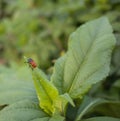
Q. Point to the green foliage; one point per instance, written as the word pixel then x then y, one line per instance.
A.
pixel 90 106
pixel 47 93
pixel 49 99
pixel 40 29
pixel 78 70
pixel 14 88
pixel 35 27
pixel 26 110
pixel 86 62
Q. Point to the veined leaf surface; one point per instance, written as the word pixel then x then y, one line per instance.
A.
pixel 14 87
pixel 46 91
pixel 26 111
pixel 87 60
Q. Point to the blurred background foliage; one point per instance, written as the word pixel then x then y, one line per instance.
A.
pixel 40 29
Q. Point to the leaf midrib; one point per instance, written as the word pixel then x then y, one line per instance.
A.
pixel 50 99
pixel 84 57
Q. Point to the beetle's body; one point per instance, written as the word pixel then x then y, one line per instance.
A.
pixel 32 63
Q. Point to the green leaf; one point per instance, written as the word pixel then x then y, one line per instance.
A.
pixel 109 108
pixel 57 76
pixel 62 101
pixel 46 91
pixel 66 98
pixel 14 88
pixel 25 111
pixel 101 119
pixel 87 105
pixel 104 107
pixel 87 60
